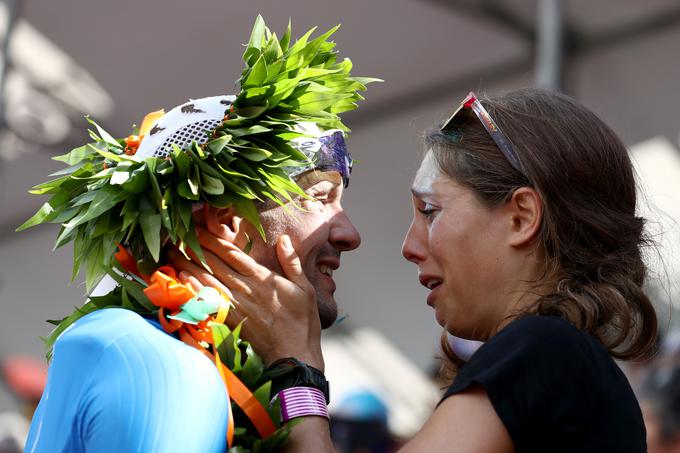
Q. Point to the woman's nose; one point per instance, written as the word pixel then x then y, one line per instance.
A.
pixel 412 249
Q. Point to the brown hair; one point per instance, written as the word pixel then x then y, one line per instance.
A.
pixel 590 234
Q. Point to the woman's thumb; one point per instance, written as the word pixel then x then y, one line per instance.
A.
pixel 290 262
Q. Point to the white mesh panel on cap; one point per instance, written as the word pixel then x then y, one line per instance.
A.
pixel 184 124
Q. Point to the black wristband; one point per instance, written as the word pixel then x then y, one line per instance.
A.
pixel 291 372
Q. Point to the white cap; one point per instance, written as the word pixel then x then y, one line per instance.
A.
pixel 186 123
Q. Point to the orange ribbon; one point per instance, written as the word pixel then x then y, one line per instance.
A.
pixel 167 293
pixel 127 261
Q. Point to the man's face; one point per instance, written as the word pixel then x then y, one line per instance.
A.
pixel 319 232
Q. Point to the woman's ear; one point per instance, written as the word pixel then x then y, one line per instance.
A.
pixel 526 214
pixel 226 224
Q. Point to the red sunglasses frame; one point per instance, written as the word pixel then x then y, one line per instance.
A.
pixel 502 141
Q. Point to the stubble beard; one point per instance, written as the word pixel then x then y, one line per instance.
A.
pixel 276 224
pixel 325 303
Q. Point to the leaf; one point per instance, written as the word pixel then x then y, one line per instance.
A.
pixel 64 215
pixel 188 190
pixel 100 226
pixel 263 393
pixel 211 185
pixel 151 229
pixel 217 145
pixel 236 122
pixel 76 155
pixel 183 162
pixel 191 240
pixel 253 153
pixel 125 300
pixel 78 248
pixel 257 35
pixel 48 210
pixel 252 368
pixel 247 209
pixel 165 215
pixel 257 74
pixel 105 136
pixel 285 39
pixel 251 112
pixel 109 155
pixel 66 235
pixel 366 80
pixel 223 200
pixel 93 264
pixel 184 208
pixel 226 343
pixel 105 199
pixel 272 52
pixel 129 212
pixel 249 131
pixel 65 323
pixel 49 186
pixel 71 169
pixel 135 290
pixel 155 187
pixel 138 180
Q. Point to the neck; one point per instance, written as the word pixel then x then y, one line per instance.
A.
pixel 529 282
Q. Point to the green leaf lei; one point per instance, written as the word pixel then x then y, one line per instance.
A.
pixel 105 197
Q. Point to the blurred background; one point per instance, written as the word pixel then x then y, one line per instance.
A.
pixel 119 60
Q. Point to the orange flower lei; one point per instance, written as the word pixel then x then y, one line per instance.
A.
pixel 168 293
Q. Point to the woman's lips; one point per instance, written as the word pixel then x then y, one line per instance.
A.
pixel 433 295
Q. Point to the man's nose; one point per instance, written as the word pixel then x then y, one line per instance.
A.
pixel 344 235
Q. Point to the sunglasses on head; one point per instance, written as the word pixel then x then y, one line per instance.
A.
pixel 471 102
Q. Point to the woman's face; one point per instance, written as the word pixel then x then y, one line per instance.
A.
pixel 459 246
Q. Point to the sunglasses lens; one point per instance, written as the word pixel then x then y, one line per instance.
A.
pixel 334 156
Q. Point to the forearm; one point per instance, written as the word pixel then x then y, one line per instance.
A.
pixel 310 434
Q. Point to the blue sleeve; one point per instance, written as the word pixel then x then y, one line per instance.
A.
pixel 117 383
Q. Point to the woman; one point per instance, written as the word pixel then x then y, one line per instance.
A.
pixel 525 233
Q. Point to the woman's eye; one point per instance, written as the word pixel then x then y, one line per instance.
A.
pixel 427 210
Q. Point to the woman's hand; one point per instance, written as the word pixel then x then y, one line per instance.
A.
pixel 280 312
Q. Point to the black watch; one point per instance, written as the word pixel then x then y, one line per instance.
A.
pixel 290 372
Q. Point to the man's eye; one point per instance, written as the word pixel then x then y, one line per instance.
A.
pixel 315 199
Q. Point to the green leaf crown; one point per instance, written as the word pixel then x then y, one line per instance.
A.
pixel 105 197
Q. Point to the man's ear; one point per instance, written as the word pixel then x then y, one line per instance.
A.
pixel 225 223
pixel 526 213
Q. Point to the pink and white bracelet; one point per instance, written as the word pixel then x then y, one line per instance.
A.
pixel 302 402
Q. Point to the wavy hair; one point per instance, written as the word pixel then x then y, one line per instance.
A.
pixel 590 233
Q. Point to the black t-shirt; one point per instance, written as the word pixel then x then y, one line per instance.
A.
pixel 556 389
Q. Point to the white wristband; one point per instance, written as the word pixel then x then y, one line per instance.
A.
pixel 302 402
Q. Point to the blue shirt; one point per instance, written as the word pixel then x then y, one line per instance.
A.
pixel 119 383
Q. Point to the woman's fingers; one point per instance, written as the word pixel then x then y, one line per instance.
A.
pixel 234 317
pixel 203 276
pixel 238 291
pixel 222 271
pixel 191 281
pixel 290 262
pixel 229 253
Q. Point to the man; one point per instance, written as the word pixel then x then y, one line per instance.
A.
pixel 268 167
